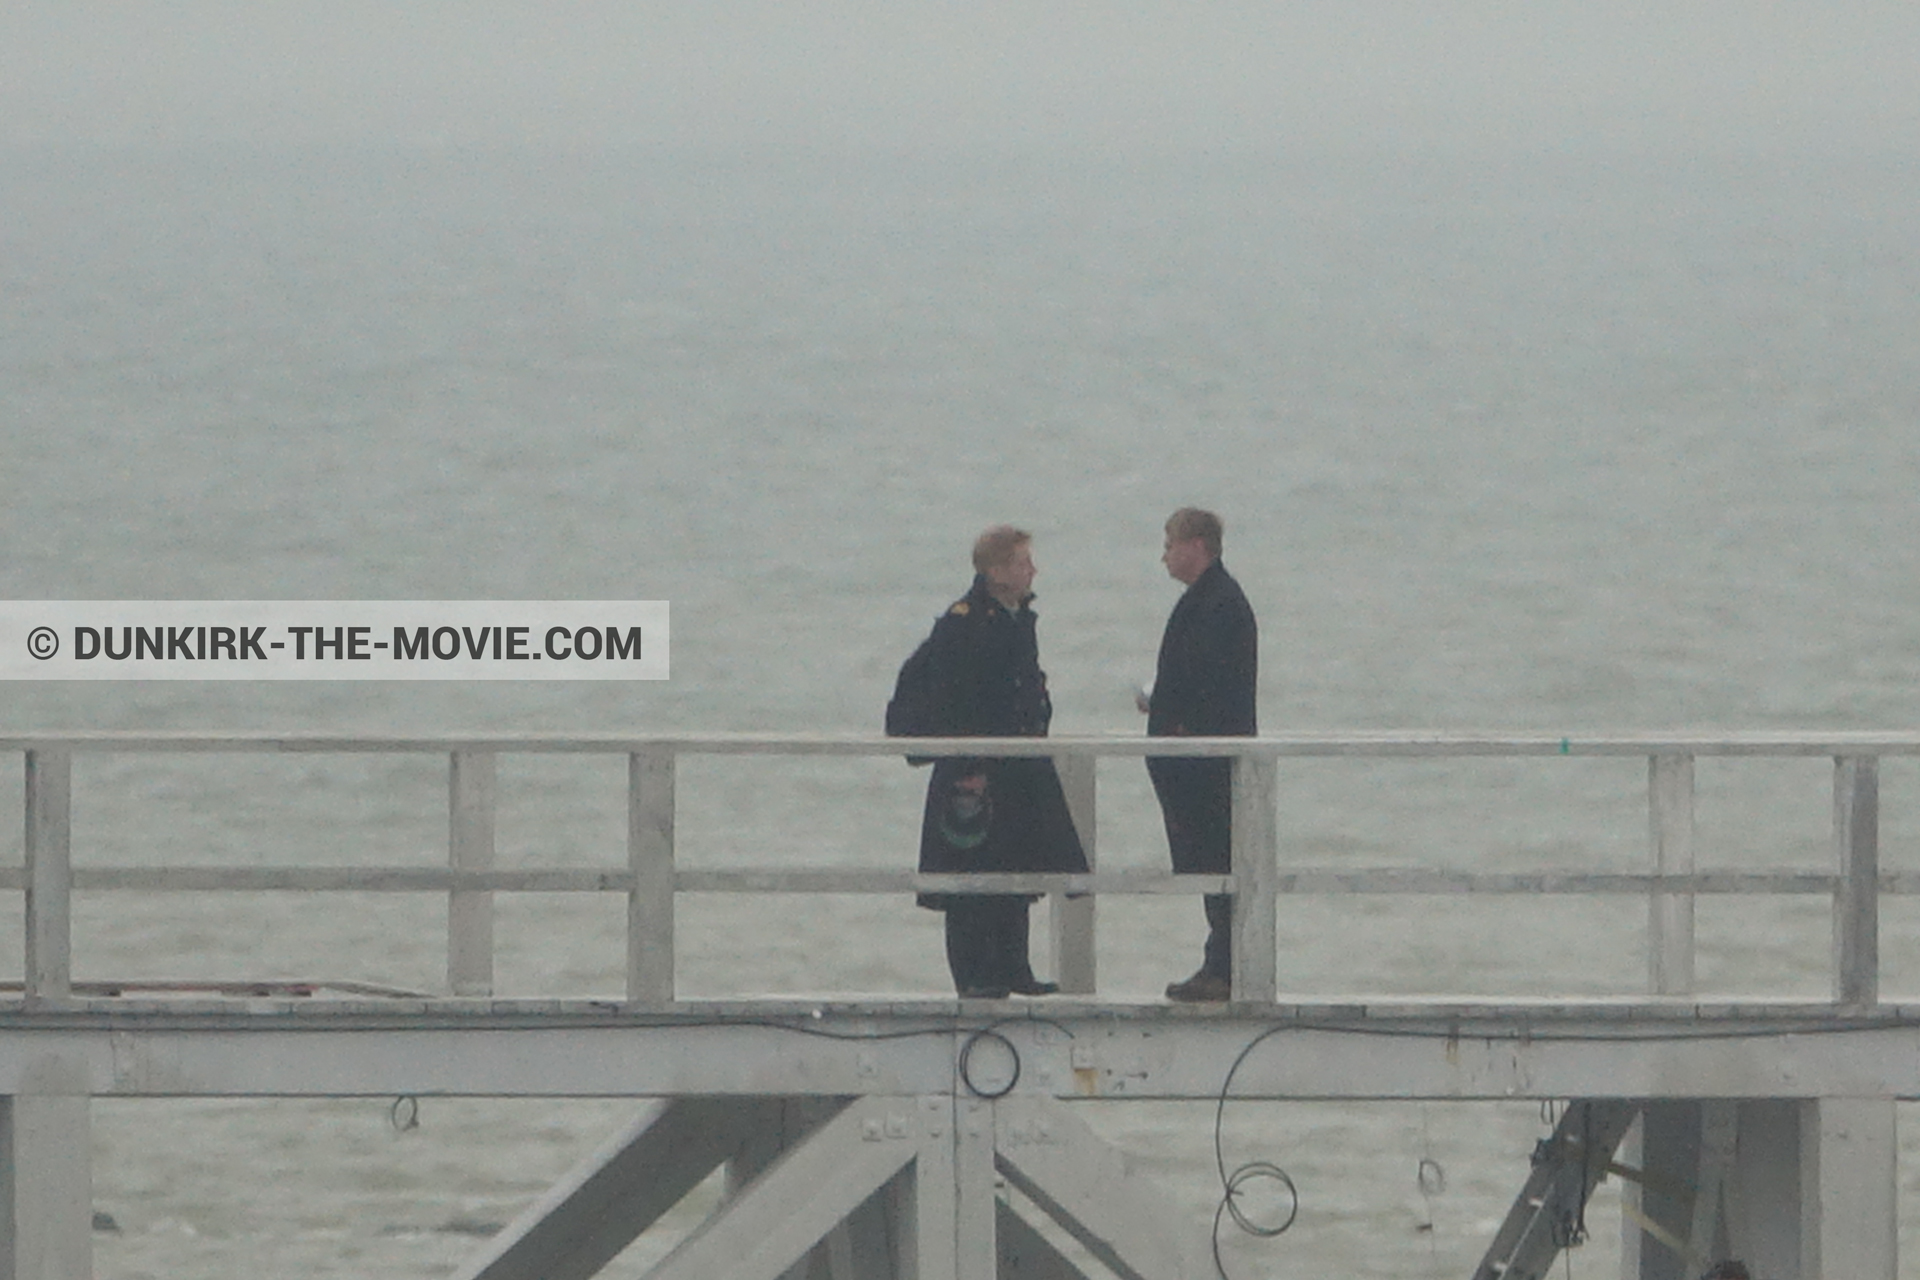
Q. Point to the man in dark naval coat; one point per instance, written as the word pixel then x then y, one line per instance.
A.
pixel 1203 687
pixel 1005 814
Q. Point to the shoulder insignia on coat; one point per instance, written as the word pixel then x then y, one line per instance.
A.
pixel 961 608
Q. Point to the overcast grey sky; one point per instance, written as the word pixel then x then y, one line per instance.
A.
pixel 1129 75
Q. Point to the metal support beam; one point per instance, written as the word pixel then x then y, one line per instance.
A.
pixel 1797 1189
pixel 470 847
pixel 1089 1187
pixel 49 872
pixel 1658 1206
pixel 1763 1211
pixel 1670 915
pixel 868 1244
pixel 1714 1195
pixel 1256 878
pixel 930 1199
pixel 784 1123
pixel 650 858
pixel 1025 1254
pixel 779 1124
pixel 46 1176
pixel 605 1202
pixel 1549 1214
pixel 1849 1183
pixel 976 1251
pixel 1073 919
pixel 299 1050
pixel 777 1219
pixel 877 1188
pixel 1856 900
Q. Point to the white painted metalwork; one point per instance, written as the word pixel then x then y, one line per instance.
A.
pixel 651 879
pixel 470 847
pixel 1848 1215
pixel 1401 1052
pixel 1091 1189
pixel 1073 918
pixel 1797 1188
pixel 777 1217
pixel 49 874
pixel 620 1190
pixel 650 890
pixel 1670 915
pixel 46 1184
pixel 879 1155
pixel 1707 1236
pixel 1856 898
pixel 1256 868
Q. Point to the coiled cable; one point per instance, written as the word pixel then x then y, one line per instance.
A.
pixel 1233 1184
pixel 965 1066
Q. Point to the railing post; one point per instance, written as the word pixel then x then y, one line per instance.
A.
pixel 470 847
pixel 1856 898
pixel 1256 874
pixel 46 1170
pixel 49 871
pixel 1670 836
pixel 650 858
pixel 1073 918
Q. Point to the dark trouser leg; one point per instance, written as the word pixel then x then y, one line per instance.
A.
pixel 1219 955
pixel 1008 928
pixel 1196 803
pixel 969 946
pixel 987 942
pixel 1017 964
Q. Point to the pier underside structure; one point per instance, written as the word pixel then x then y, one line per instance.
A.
pixel 937 1139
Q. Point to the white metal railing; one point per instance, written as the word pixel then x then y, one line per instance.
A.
pixel 651 877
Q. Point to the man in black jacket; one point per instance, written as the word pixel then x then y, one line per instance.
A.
pixel 993 814
pixel 1203 687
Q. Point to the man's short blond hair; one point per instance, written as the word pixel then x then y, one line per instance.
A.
pixel 998 546
pixel 1192 522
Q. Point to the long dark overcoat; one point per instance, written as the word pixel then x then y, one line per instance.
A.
pixel 1204 687
pixel 1209 662
pixel 986 677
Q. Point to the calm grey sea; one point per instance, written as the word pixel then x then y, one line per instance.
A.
pixel 1563 443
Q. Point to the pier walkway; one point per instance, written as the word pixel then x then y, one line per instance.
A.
pixel 868 1135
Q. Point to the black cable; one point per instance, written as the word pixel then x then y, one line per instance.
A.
pixel 1031 1016
pixel 1244 1174
pixel 1256 1170
pixel 1586 1174
pixel 1625 1036
pixel 965 1070
pixel 1231 1184
pixel 829 1033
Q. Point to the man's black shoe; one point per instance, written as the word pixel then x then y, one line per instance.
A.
pixel 1202 988
pixel 984 993
pixel 1035 987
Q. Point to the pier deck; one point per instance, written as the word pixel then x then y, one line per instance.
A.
pixel 869 1135
pixel 1390 1049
